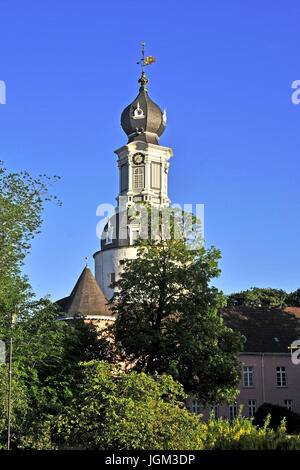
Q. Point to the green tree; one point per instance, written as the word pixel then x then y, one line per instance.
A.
pixel 47 353
pixel 118 410
pixel 293 299
pixel 167 315
pixel 46 356
pixel 19 404
pixel 259 297
pixel 22 199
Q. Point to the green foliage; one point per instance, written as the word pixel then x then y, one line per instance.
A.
pixel 264 297
pixel 46 356
pixel 48 353
pixel 167 317
pixel 114 410
pixel 22 200
pixel 293 299
pixel 28 430
pixel 37 435
pixel 19 405
pixel 242 434
pixel 259 297
pixel 118 410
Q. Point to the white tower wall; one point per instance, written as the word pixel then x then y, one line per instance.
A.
pixel 108 262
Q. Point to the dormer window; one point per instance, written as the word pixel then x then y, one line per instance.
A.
pixel 109 234
pixel 138 113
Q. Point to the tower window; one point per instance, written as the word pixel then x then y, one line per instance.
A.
pixel 155 175
pixel 112 277
pixel 124 177
pixel 138 178
pixel 109 234
pixel 134 235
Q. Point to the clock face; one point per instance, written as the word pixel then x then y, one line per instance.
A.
pixel 138 158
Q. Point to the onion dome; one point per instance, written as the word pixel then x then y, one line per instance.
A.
pixel 143 119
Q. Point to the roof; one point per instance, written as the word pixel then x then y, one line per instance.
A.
pixel 143 119
pixel 86 298
pixel 266 330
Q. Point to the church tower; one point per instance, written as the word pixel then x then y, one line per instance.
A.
pixel 143 177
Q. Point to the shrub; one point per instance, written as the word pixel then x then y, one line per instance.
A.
pixel 242 434
pixel 124 411
pixel 277 413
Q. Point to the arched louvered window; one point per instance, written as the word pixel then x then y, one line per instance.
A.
pixel 138 177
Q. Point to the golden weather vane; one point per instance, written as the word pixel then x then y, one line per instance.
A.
pixel 146 60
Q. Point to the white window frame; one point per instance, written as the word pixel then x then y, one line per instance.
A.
pixel 196 407
pixel 251 407
pixel 232 411
pixel 281 376
pixel 248 376
pixel 138 177
pixel 288 404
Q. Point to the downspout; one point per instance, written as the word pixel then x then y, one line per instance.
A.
pixel 263 378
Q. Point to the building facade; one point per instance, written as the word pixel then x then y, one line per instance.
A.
pixel 268 374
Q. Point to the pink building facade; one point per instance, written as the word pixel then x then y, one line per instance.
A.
pixel 268 373
pixel 265 378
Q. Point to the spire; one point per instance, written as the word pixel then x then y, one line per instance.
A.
pixel 143 62
pixel 143 120
pixel 143 81
pixel 86 298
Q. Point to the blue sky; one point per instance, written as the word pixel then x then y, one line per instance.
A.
pixel 223 72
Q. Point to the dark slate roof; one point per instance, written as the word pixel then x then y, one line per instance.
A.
pixel 266 330
pixel 150 126
pixel 116 242
pixel 86 298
